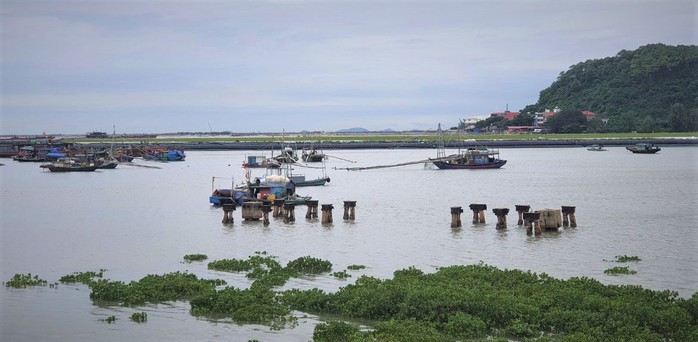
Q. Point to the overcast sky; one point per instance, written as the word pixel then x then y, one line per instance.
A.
pixel 267 66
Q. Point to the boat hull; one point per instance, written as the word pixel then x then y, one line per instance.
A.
pixel 72 169
pixel 450 166
pixel 314 182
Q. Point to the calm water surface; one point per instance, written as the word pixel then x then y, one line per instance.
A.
pixel 138 220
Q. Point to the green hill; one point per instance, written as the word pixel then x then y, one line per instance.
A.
pixel 653 88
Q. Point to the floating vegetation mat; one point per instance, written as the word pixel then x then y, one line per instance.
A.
pixel 24 280
pixel 456 303
pixel 195 257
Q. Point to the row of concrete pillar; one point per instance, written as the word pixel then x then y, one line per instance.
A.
pixel 253 211
pixel 534 221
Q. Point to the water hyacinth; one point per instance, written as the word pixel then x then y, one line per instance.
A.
pixel 24 280
pixel 82 277
pixel 153 288
pixel 195 257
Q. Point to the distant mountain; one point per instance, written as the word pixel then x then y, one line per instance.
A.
pixel 353 130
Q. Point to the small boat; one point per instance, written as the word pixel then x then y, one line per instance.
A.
pixel 264 189
pixel 470 158
pixel 596 148
pixel 260 162
pixel 311 155
pixel 123 158
pixel 287 155
pixel 169 155
pixel 643 148
pixel 69 165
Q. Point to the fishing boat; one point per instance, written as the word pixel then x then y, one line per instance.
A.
pixel 471 158
pixel 260 162
pixel 643 148
pixel 288 155
pixel 69 165
pixel 596 148
pixel 31 154
pixel 264 189
pixel 162 155
pixel 311 155
pixel 299 179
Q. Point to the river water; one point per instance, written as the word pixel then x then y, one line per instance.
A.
pixel 142 219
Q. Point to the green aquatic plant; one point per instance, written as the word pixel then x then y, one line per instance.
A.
pixel 355 267
pixel 82 277
pixel 153 288
pixel 310 265
pixel 139 317
pixel 626 258
pixel 619 270
pixel 341 275
pixel 256 305
pixel 24 280
pixel 195 257
pixel 477 301
pixel 111 319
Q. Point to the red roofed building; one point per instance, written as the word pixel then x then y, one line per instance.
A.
pixel 590 115
pixel 507 115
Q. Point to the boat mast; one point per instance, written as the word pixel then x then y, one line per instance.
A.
pixel 440 149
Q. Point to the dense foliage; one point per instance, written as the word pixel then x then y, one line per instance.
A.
pixel 455 303
pixel 651 89
pixel 152 288
pixel 462 302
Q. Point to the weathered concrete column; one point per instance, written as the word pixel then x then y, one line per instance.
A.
pixel 455 216
pixel 327 213
pixel 568 216
pixel 266 209
pixel 278 208
pixel 252 211
pixel 312 209
pixel 501 217
pixel 478 212
pixel 228 209
pixel 522 209
pixel 549 219
pixel 349 210
pixel 289 209
pixel 531 220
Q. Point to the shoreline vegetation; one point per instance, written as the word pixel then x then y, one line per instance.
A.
pixel 450 139
pixel 456 303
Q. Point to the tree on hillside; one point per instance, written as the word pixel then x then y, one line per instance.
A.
pixel 567 121
pixel 681 119
pixel 635 89
pixel 491 121
pixel 521 120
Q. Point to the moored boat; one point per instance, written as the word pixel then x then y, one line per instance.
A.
pixel 470 158
pixel 596 148
pixel 311 155
pixel 644 148
pixel 168 155
pixel 70 165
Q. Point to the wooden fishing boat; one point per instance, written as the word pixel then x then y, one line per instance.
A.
pixel 70 165
pixel 311 155
pixel 470 158
pixel 596 148
pixel 165 155
pixel 643 148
